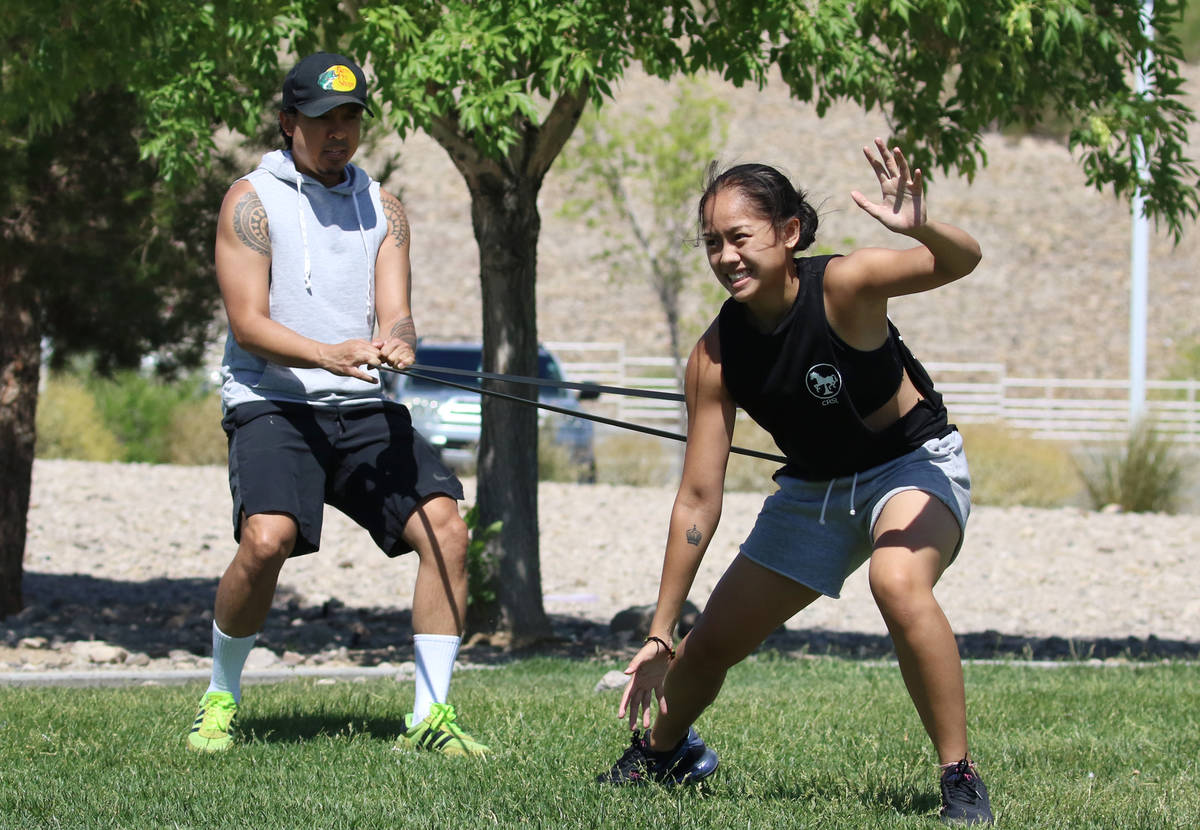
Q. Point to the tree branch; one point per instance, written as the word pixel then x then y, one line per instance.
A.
pixel 553 133
pixel 464 152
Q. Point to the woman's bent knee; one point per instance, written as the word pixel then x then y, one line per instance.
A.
pixel 901 598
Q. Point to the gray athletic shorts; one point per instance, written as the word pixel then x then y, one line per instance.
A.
pixel 818 532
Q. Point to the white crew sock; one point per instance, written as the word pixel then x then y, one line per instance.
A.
pixel 434 656
pixel 229 656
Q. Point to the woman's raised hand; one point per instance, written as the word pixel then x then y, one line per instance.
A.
pixel 901 207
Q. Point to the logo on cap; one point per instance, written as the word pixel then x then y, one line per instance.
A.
pixel 337 78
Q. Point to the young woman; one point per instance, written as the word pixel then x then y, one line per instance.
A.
pixel 874 471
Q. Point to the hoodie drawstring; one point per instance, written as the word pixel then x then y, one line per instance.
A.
pixel 304 233
pixel 829 489
pixel 362 234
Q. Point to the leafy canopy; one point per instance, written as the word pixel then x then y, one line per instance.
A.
pixel 943 71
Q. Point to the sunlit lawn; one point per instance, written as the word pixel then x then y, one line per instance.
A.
pixel 803 743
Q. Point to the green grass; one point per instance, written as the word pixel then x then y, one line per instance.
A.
pixel 820 743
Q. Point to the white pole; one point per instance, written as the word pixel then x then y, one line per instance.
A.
pixel 1139 252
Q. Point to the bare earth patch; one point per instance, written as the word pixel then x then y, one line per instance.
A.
pixel 129 555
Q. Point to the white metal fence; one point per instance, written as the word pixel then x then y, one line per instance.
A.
pixel 1063 409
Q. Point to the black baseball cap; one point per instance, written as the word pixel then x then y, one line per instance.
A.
pixel 323 81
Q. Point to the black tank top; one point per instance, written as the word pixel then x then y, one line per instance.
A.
pixel 790 381
pixel 873 377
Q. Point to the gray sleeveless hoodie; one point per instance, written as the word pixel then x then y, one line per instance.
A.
pixel 324 241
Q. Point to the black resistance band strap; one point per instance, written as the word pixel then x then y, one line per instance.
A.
pixel 419 371
pixel 556 384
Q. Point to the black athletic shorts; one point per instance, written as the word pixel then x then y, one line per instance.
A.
pixel 366 460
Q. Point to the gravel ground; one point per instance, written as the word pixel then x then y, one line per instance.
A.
pixel 122 563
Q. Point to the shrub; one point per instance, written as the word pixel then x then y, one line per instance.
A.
pixel 1188 32
pixel 746 472
pixel 1187 362
pixel 647 461
pixel 1010 469
pixel 1143 475
pixel 554 459
pixel 139 409
pixel 69 424
pixel 635 459
pixel 194 434
pixel 481 574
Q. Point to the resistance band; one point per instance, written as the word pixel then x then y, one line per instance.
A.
pixel 417 370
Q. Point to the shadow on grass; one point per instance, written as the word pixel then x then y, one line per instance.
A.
pixel 904 801
pixel 301 727
pixel 158 616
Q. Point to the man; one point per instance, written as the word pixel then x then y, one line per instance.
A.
pixel 310 252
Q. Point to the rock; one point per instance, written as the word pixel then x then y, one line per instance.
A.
pixel 33 642
pixel 261 658
pixel 137 659
pixel 637 619
pixel 614 679
pixel 101 653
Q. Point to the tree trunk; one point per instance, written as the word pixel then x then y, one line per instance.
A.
pixel 20 363
pixel 506 223
pixel 505 218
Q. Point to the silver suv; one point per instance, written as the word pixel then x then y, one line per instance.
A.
pixel 449 418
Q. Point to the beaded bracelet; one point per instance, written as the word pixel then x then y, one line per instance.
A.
pixel 652 639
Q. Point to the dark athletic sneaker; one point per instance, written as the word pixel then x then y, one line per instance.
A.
pixel 964 798
pixel 689 763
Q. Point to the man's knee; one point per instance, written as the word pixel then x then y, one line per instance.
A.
pixel 452 538
pixel 437 529
pixel 267 540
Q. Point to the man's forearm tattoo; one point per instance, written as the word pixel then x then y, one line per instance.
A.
pixel 406 331
pixel 396 218
pixel 693 535
pixel 250 224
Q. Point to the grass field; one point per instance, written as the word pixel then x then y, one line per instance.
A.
pixel 821 743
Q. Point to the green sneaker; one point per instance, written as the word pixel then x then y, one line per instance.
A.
pixel 440 733
pixel 212 731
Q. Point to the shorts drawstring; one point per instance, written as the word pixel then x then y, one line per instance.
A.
pixel 829 489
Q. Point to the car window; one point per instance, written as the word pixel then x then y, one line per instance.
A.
pixel 471 360
pixel 466 359
pixel 548 368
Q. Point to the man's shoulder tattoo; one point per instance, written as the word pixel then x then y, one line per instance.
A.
pixel 396 218
pixel 250 224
